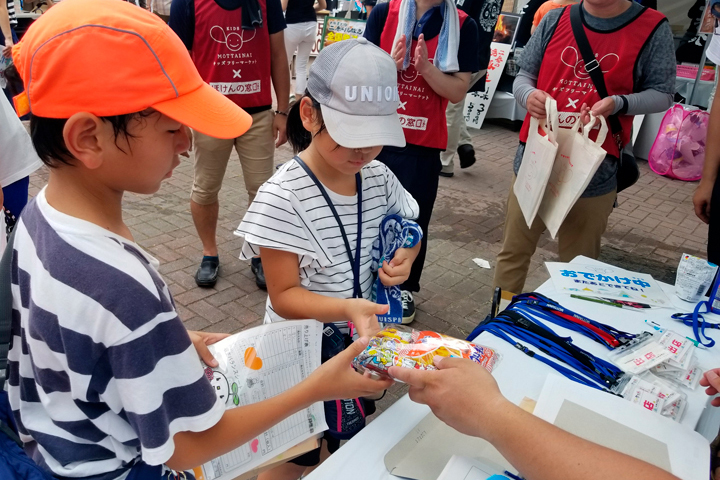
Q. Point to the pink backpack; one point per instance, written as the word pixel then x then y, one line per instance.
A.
pixel 679 148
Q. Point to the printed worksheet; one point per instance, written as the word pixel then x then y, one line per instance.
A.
pixel 258 364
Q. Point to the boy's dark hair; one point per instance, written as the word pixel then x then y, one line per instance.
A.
pixel 297 136
pixel 47 136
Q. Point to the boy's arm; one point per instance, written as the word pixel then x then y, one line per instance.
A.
pixel 334 379
pixel 290 300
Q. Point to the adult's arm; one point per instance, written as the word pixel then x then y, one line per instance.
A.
pixel 703 193
pixel 538 449
pixel 5 25
pixel 280 74
pixel 525 83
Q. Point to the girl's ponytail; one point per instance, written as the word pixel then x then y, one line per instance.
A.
pixel 297 136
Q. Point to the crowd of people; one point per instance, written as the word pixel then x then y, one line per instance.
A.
pixel 104 381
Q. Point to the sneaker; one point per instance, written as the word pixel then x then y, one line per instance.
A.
pixel 408 304
pixel 446 174
pixel 207 274
pixel 257 269
pixel 466 153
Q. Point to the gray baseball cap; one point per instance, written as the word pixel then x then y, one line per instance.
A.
pixel 355 83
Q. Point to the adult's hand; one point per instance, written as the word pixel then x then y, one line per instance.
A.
pixel 701 200
pixel 280 129
pixel 398 52
pixel 420 58
pixel 711 380
pixel 461 393
pixel 536 103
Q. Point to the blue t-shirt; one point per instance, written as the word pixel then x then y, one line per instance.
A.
pixel 429 25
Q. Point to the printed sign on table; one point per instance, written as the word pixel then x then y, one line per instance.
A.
pixel 338 29
pixel 606 281
pixel 477 103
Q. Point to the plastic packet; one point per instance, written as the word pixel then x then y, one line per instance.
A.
pixel 654 394
pixel 694 277
pixel 687 377
pixel 680 347
pixel 404 347
pixel 639 356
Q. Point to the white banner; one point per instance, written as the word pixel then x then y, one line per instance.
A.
pixel 476 104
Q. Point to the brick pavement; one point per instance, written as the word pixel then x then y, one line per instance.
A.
pixel 652 226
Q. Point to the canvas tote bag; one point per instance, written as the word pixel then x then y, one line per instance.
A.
pixel 578 158
pixel 537 162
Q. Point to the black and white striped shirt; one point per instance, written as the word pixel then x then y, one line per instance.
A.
pixel 11 13
pixel 290 214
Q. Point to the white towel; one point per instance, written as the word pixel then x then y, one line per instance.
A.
pixel 448 40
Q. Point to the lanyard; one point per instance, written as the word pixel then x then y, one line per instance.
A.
pixel 697 321
pixel 354 262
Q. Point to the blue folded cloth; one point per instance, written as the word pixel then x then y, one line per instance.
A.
pixel 395 233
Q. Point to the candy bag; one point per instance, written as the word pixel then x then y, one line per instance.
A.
pixel 404 347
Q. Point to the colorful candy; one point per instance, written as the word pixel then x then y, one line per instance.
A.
pixel 404 347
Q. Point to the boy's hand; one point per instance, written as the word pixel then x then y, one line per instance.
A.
pixel 461 393
pixel 421 56
pixel 363 313
pixel 397 270
pixel 711 380
pixel 337 379
pixel 201 340
pixel 398 52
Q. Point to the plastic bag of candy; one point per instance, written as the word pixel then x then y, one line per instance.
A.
pixel 398 346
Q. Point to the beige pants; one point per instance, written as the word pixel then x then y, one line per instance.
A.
pixel 456 127
pixel 256 149
pixel 579 234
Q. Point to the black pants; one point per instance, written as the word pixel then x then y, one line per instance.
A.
pixel 418 169
pixel 713 247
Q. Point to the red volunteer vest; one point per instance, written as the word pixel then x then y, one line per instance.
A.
pixel 562 73
pixel 235 62
pixel 421 111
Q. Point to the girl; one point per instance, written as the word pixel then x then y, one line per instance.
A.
pixel 315 220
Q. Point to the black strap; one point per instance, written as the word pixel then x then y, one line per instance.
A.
pixel 592 66
pixel 5 307
pixel 354 262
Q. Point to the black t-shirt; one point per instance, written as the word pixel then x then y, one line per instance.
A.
pixel 485 13
pixel 525 24
pixel 299 11
pixel 182 17
pixel 467 51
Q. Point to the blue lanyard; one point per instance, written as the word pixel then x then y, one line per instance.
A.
pixel 697 321
pixel 549 310
pixel 354 262
pixel 591 371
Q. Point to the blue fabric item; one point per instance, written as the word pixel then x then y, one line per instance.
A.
pixel 395 233
pixel 14 463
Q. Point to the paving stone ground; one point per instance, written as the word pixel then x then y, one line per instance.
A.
pixel 652 226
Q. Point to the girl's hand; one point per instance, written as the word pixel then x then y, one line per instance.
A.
pixel 337 379
pixel 363 313
pixel 536 104
pixel 201 340
pixel 399 51
pixel 397 270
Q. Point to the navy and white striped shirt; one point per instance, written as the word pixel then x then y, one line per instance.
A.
pixel 289 213
pixel 102 372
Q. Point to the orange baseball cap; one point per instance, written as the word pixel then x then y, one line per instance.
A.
pixel 110 57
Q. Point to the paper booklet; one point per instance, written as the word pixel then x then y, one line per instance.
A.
pixel 258 364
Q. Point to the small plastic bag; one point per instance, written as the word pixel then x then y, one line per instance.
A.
pixel 641 355
pixel 404 347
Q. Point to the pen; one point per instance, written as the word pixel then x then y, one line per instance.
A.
pixel 596 300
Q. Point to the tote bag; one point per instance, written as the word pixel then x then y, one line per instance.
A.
pixel 578 158
pixel 537 162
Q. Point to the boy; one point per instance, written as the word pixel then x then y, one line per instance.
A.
pixel 103 377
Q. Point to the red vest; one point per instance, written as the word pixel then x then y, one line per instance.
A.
pixel 422 111
pixel 235 62
pixel 562 72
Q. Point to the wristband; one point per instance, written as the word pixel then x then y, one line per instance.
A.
pixel 278 112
